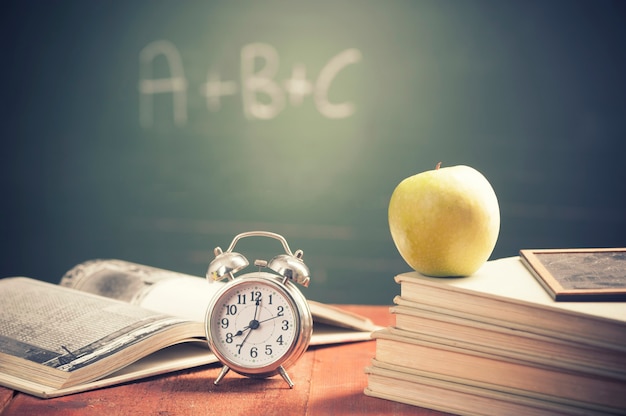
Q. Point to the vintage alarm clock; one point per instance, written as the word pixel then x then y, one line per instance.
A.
pixel 259 323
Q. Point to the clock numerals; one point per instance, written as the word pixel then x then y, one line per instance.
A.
pixel 255 326
pixel 258 323
pixel 245 341
pixel 254 296
pixel 231 309
pixel 254 350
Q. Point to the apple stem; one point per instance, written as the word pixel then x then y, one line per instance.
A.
pixel 438 166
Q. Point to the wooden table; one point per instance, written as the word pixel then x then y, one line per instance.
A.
pixel 328 380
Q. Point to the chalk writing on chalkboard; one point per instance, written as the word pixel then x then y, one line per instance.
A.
pixel 255 81
pixel 580 274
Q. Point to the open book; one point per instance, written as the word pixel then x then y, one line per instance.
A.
pixel 112 321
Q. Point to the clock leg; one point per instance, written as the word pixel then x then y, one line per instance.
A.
pixel 221 375
pixel 285 376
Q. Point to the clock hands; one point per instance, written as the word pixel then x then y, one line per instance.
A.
pixel 243 342
pixel 269 319
pixel 257 303
pixel 253 325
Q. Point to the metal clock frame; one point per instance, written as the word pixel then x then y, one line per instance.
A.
pixel 290 268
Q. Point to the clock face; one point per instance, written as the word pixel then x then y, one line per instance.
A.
pixel 253 325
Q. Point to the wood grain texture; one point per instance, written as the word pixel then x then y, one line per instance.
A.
pixel 5 397
pixel 328 380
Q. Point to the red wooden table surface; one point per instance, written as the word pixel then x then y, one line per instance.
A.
pixel 329 380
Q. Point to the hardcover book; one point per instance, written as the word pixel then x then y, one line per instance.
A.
pixel 497 342
pixel 505 292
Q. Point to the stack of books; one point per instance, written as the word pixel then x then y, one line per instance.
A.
pixel 496 343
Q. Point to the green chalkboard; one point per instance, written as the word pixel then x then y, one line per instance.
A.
pixel 153 131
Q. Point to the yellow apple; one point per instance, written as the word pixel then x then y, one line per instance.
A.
pixel 445 222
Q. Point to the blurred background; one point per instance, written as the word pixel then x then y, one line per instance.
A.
pixel 153 131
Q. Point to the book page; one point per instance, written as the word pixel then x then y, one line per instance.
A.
pixel 117 279
pixel 160 290
pixel 66 330
pixel 185 296
pixel 508 278
pixel 188 297
pixel 176 294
